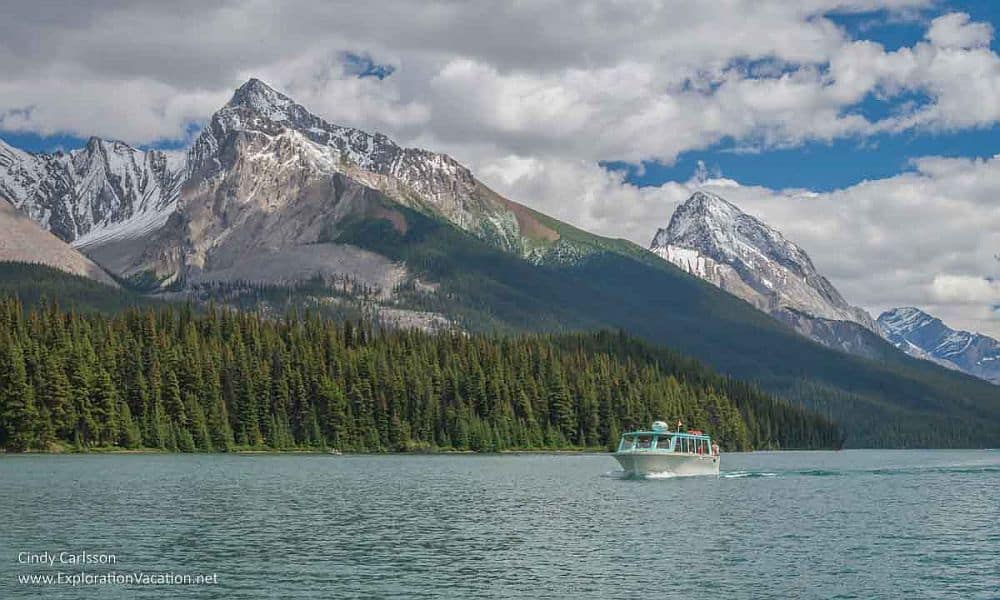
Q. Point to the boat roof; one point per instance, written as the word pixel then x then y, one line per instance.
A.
pixel 700 436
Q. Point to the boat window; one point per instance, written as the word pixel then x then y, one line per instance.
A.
pixel 645 442
pixel 663 443
pixel 627 442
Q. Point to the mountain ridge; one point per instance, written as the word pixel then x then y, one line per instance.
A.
pixel 89 192
pixel 925 336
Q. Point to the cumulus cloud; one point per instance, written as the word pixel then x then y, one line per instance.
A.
pixel 955 30
pixel 965 289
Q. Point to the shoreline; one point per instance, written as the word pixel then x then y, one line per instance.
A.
pixel 256 452
pixel 320 452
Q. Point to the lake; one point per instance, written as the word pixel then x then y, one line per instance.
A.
pixel 851 524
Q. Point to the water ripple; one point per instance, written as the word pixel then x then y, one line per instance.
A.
pixel 771 525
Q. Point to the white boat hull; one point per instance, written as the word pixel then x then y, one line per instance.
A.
pixel 667 464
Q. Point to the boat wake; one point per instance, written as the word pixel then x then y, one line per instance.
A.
pixel 879 472
pixel 746 474
pixel 619 474
pixel 886 471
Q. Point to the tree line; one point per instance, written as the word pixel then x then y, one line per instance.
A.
pixel 217 380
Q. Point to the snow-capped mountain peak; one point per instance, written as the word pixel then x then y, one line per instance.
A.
pixel 719 229
pixel 712 238
pixel 259 156
pixel 899 321
pixel 262 99
pixel 427 181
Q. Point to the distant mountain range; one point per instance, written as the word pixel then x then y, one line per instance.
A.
pixel 272 208
pixel 90 193
pixel 925 336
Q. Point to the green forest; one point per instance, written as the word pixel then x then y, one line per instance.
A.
pixel 179 379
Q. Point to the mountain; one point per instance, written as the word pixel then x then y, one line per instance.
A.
pixel 22 240
pixel 924 336
pixel 277 209
pixel 711 238
pixel 105 189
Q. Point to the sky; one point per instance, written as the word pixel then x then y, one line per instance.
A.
pixel 864 130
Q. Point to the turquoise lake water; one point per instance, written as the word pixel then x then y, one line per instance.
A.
pixel 852 524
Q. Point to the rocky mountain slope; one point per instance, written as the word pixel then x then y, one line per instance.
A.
pixel 22 240
pixel 713 239
pixel 306 209
pixel 924 336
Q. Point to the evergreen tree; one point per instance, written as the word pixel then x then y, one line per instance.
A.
pixel 18 414
pixel 104 411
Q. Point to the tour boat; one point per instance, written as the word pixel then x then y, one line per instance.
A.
pixel 664 452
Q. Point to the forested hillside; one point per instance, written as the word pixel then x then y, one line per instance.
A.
pixel 175 379
pixel 893 401
pixel 38 284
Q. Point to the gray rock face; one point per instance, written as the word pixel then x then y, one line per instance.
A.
pixel 716 241
pixel 924 336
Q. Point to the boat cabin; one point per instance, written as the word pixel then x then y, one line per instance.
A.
pixel 691 442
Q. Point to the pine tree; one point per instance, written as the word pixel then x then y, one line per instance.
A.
pixel 560 406
pixel 129 435
pixel 18 414
pixel 56 396
pixel 336 413
pixel 105 413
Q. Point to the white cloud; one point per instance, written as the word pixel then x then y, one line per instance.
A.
pixel 965 289
pixel 955 30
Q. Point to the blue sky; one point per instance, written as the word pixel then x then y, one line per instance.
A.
pixel 819 166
